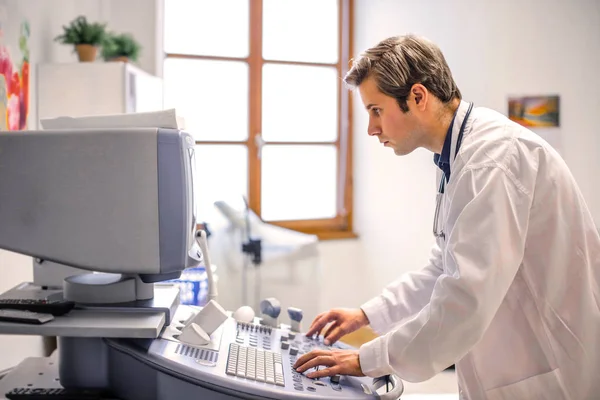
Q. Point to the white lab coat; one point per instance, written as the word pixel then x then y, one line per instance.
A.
pixel 511 295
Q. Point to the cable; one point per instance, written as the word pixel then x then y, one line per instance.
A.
pixel 203 244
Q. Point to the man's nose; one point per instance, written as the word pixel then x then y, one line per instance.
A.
pixel 373 129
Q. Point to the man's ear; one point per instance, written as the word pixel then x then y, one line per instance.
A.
pixel 419 93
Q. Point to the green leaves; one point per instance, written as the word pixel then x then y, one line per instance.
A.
pixel 25 31
pixel 80 31
pixel 120 45
pixel 23 40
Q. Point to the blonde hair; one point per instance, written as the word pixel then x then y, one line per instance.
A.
pixel 399 62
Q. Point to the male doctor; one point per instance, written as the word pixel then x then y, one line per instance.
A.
pixel 511 291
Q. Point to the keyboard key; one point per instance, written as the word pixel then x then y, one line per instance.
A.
pixel 279 368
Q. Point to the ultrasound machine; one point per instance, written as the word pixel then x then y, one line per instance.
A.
pixel 120 203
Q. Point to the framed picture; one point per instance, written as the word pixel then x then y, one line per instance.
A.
pixel 534 111
pixel 14 73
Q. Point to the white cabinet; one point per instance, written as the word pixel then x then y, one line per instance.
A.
pixel 98 88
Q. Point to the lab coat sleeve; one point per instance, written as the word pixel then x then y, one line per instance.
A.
pixel 487 225
pixel 404 297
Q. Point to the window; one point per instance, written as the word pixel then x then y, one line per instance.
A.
pixel 259 85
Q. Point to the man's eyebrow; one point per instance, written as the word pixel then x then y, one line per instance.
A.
pixel 369 106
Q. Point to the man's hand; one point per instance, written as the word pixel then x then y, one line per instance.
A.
pixel 343 320
pixel 338 362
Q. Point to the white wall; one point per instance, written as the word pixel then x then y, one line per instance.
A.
pixel 495 49
pixel 46 17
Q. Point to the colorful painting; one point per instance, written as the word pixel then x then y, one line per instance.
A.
pixel 534 111
pixel 14 80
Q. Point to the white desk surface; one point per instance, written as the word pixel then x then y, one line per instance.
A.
pixel 92 323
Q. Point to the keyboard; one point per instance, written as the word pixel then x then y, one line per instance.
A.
pixel 255 364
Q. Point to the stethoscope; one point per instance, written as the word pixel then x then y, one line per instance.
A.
pixel 438 231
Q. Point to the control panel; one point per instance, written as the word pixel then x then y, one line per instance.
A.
pixel 256 358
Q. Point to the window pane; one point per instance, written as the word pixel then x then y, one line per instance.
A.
pixel 298 182
pixel 300 103
pixel 300 30
pixel 212 96
pixel 207 27
pixel 221 174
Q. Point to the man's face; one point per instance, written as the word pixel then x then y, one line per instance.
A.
pixel 387 122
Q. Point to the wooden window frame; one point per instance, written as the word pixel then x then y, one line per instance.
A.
pixel 341 226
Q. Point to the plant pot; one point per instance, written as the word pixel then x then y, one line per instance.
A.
pixel 86 52
pixel 120 58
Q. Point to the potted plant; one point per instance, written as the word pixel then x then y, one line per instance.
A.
pixel 120 47
pixel 86 37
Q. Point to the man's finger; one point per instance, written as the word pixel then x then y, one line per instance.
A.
pixel 309 356
pixel 326 360
pixel 323 372
pixel 333 335
pixel 315 327
pixel 330 328
pixel 319 323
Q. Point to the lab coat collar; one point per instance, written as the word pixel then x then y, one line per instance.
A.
pixel 458 120
pixel 442 160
